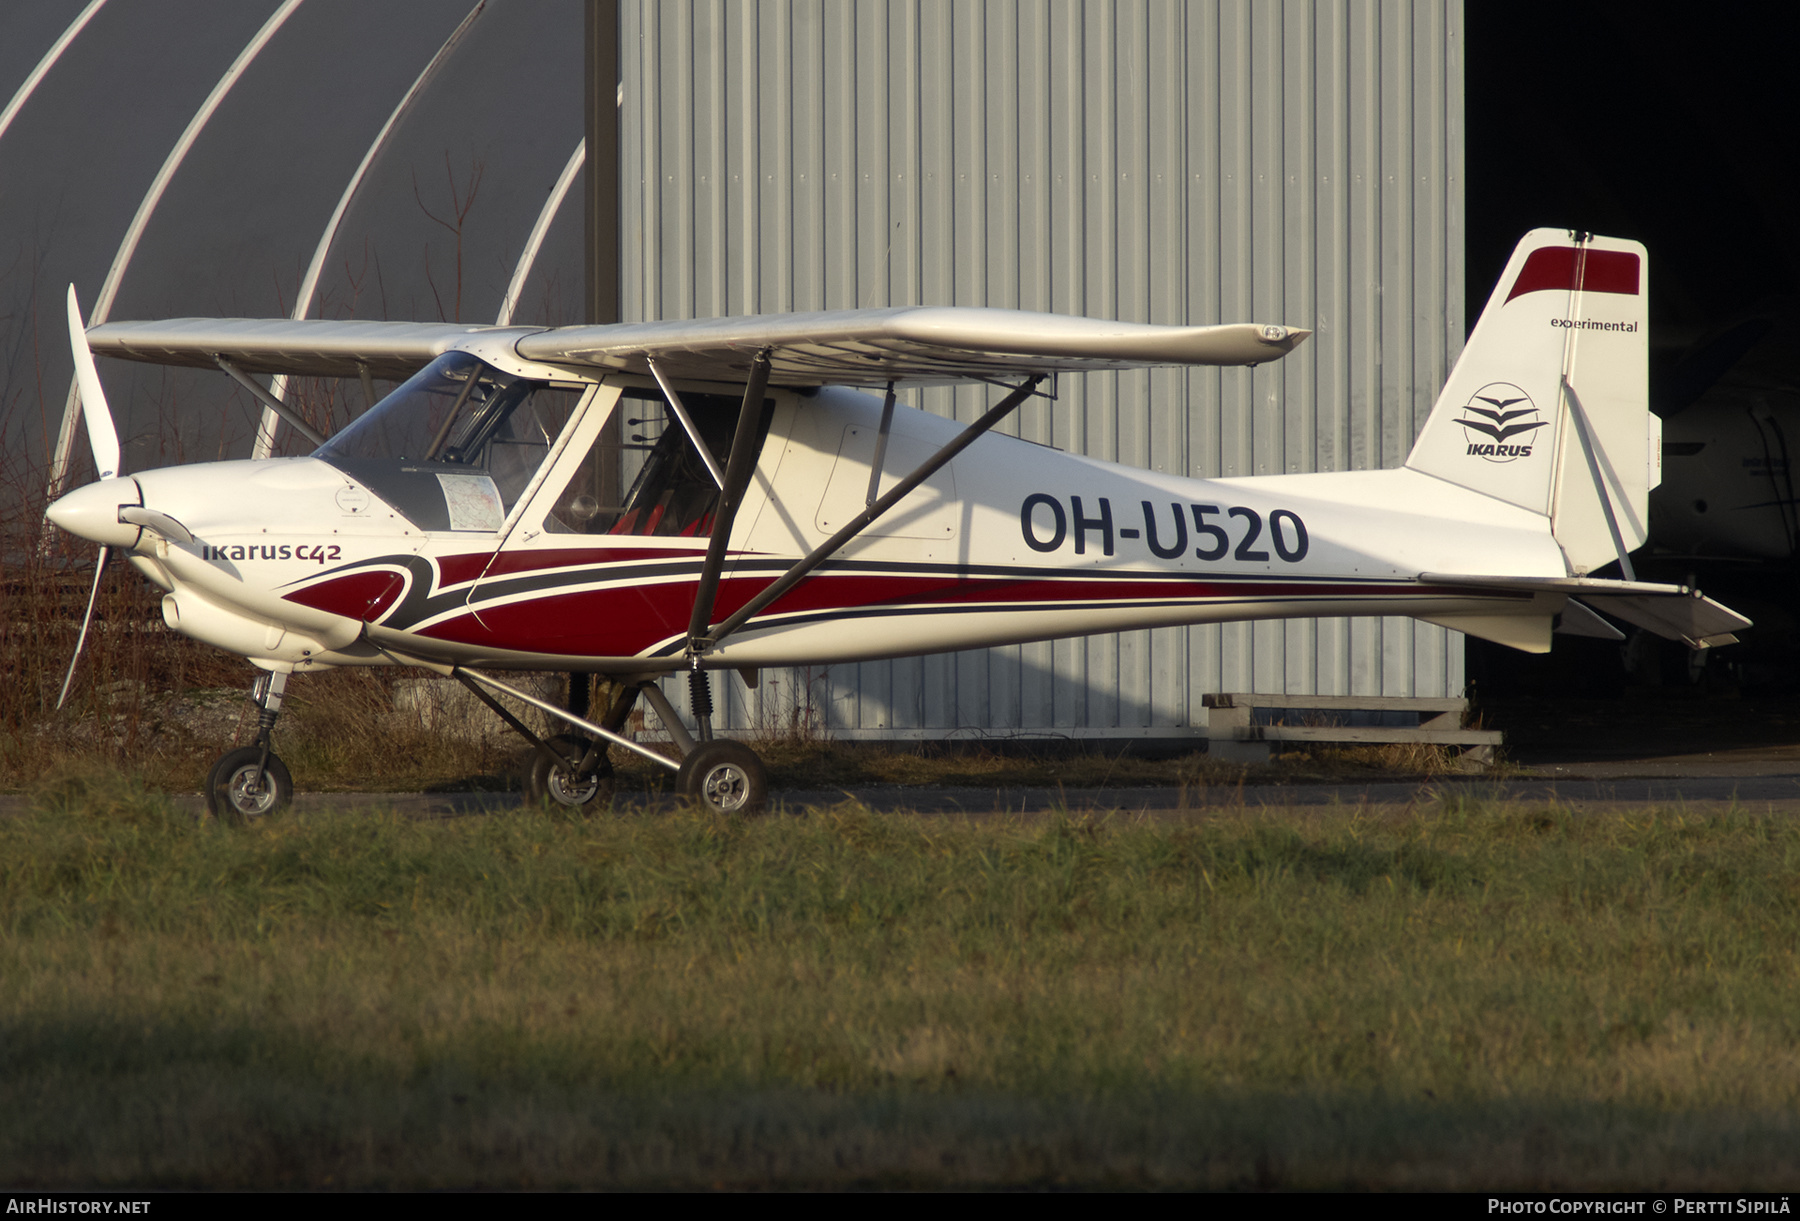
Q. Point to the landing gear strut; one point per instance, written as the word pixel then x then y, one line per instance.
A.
pixel 723 776
pixel 251 782
pixel 572 770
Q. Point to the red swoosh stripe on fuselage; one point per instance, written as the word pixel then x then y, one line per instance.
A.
pixel 356 595
pixel 631 619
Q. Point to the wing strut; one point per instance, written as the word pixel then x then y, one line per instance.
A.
pixel 687 421
pixel 881 440
pixel 368 384
pixel 268 399
pixel 738 469
pixel 861 521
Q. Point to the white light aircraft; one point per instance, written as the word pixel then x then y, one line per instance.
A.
pixel 497 511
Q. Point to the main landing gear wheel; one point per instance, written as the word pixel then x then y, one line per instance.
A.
pixel 235 795
pixel 724 776
pixel 550 783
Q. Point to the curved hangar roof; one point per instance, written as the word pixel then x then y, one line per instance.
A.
pixel 263 158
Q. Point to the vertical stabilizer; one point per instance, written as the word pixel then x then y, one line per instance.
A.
pixel 1548 406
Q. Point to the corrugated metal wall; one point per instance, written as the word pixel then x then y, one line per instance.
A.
pixel 1213 161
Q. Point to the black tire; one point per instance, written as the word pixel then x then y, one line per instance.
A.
pixel 549 784
pixel 726 777
pixel 228 792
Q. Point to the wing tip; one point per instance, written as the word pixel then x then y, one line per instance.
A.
pixel 1284 338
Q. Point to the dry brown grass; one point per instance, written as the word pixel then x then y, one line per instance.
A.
pixel 161 706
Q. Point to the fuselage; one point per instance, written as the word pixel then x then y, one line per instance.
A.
pixel 316 561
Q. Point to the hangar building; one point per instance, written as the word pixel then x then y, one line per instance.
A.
pixel 1207 161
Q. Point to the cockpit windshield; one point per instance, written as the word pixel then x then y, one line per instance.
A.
pixel 456 444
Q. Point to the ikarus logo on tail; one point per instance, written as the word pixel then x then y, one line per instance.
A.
pixel 1500 422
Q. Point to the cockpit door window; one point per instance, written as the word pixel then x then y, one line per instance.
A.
pixel 643 476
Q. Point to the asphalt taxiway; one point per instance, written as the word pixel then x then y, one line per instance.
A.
pixel 1761 780
pixel 1699 757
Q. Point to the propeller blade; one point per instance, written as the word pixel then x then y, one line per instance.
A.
pixel 103 438
pixel 86 620
pixel 161 523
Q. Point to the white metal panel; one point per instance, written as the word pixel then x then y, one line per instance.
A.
pixel 1213 161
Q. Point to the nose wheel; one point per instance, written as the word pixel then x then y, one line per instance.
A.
pixel 724 776
pixel 244 787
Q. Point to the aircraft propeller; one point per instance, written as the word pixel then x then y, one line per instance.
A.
pixel 103 439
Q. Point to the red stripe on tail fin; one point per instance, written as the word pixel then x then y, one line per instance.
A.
pixel 1604 271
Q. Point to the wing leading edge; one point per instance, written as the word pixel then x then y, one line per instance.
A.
pixel 844 347
pixel 307 347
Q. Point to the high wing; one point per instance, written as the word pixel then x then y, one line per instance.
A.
pixel 925 343
pixel 842 347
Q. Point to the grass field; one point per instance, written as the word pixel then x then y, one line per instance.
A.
pixel 1461 995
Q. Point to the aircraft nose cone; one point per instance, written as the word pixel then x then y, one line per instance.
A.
pixel 92 512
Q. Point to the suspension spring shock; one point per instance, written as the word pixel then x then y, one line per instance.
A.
pixel 700 693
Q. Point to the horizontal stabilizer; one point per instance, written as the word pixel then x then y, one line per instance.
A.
pixel 1558 585
pixel 1696 621
pixel 1676 612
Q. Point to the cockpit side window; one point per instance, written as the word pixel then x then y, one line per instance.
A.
pixel 513 448
pixel 646 478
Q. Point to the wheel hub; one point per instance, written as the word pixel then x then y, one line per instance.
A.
pixel 568 791
pixel 726 787
pixel 250 794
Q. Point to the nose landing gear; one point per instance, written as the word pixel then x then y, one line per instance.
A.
pixel 248 784
pixel 251 782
